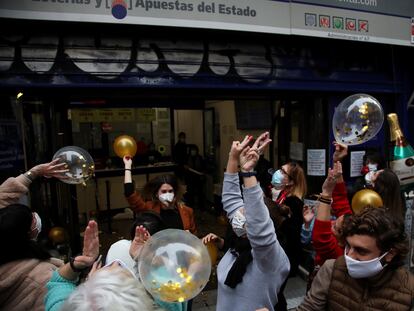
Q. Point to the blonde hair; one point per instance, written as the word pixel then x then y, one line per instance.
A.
pixel 297 176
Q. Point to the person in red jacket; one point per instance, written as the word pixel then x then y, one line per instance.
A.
pixel 332 201
pixel 161 195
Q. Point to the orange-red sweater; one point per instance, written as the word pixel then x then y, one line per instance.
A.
pixel 137 204
pixel 324 242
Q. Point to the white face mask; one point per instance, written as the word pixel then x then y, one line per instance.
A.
pixel 372 167
pixel 368 177
pixel 38 226
pixel 275 193
pixel 238 223
pixel 363 269
pixel 166 198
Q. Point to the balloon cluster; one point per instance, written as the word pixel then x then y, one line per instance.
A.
pixel 78 162
pixel 174 265
pixel 357 119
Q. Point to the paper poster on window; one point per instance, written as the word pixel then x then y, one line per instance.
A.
pixel 356 163
pixel 296 151
pixel 316 162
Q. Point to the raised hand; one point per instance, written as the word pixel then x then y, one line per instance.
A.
pixel 211 237
pixel 330 181
pixel 237 147
pixel 249 156
pixel 141 236
pixel 127 162
pixel 90 247
pixel 341 151
pixel 51 169
pixel 308 214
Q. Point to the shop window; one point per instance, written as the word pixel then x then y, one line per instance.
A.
pixel 96 129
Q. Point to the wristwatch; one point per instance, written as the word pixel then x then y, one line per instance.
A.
pixel 72 266
pixel 248 174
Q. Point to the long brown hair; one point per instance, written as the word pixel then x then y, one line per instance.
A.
pixel 387 185
pixel 297 176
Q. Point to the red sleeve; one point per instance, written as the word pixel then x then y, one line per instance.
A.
pixel 340 204
pixel 324 242
pixel 137 204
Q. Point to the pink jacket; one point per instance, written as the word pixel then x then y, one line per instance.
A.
pixel 23 283
pixel 13 189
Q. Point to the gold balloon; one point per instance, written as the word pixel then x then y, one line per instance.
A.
pixel 364 198
pixel 125 145
pixel 212 251
pixel 57 235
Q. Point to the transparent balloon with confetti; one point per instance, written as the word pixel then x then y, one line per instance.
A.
pixel 174 265
pixel 78 162
pixel 357 119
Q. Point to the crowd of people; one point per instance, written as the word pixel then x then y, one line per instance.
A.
pixel 358 257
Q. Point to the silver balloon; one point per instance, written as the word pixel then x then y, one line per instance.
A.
pixel 357 119
pixel 79 164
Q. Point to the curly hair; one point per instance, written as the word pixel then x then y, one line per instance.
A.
pixel 377 223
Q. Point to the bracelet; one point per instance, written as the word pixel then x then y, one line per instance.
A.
pixel 248 174
pixel 325 200
pixel 72 266
pixel 29 175
pixel 127 169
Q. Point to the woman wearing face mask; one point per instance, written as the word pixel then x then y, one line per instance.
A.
pixel 252 271
pixel 289 188
pixel 161 195
pixel 25 266
pixel 386 183
pixel 372 163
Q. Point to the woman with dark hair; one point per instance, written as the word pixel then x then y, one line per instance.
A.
pixel 25 267
pixel 151 221
pixel 386 183
pixel 289 188
pixel 161 195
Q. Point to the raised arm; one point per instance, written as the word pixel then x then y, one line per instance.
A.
pixel 63 281
pixel 16 187
pixel 324 241
pixel 267 251
pixel 231 196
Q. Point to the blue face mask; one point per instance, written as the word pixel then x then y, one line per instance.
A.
pixel 277 179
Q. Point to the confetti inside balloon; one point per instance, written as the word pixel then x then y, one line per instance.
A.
pixel 125 145
pixel 365 197
pixel 357 119
pixel 174 265
pixel 79 164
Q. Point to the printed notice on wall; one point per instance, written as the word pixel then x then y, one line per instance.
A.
pixel 316 162
pixel 356 163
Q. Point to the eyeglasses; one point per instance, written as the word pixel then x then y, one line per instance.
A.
pixel 271 171
pixel 284 172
